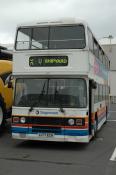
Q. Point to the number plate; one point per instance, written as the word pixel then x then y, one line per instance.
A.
pixel 22 135
pixel 45 135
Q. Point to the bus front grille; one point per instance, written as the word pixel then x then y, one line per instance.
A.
pixel 44 129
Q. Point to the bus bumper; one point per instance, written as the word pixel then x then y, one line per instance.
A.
pixel 56 138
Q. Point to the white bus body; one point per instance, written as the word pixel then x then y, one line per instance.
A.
pixel 49 82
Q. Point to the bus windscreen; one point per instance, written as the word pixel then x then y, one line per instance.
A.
pixel 51 93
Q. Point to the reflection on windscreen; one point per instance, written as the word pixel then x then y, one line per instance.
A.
pixel 70 93
pixel 54 37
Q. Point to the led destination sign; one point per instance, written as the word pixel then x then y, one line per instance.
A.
pixel 44 61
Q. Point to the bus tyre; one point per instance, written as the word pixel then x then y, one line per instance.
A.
pixel 106 116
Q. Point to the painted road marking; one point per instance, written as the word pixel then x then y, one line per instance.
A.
pixel 111 120
pixel 112 111
pixel 113 157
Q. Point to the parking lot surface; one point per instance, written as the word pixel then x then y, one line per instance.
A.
pixel 30 157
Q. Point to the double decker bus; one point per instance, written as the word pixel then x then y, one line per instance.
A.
pixel 61 82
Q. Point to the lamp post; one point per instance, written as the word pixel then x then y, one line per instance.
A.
pixel 110 38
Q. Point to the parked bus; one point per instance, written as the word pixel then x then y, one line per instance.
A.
pixel 61 82
pixel 5 93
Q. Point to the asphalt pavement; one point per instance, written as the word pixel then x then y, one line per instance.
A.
pixel 49 158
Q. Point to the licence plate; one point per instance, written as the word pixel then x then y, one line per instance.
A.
pixel 22 135
pixel 45 135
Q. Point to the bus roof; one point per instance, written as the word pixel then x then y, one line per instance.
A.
pixel 62 21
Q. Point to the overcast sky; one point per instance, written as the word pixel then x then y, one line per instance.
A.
pixel 100 14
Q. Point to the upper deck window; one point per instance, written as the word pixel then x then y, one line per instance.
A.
pixel 68 37
pixel 40 38
pixel 23 39
pixel 54 37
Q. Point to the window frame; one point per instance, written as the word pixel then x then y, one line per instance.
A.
pixel 48 79
pixel 49 27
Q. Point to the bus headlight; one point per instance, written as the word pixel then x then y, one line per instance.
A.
pixel 22 119
pixel 71 122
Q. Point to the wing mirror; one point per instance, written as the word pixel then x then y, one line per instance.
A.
pixel 10 84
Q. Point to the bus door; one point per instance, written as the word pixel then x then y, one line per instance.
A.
pixel 92 86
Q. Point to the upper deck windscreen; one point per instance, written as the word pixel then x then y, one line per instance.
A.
pixel 53 37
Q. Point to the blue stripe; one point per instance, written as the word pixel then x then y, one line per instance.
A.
pixel 76 132
pixel 64 132
pixel 19 130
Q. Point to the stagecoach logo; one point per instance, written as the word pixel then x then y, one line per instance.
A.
pixel 96 67
pixel 49 112
pixel 100 70
pixel 46 112
pixel 37 112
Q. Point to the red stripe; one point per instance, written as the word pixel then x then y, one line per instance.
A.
pixel 22 125
pixel 71 127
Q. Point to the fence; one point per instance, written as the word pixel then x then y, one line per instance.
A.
pixel 113 99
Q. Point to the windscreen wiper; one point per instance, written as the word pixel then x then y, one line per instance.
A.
pixel 32 106
pixel 37 102
pixel 43 89
pixel 61 107
pixel 60 102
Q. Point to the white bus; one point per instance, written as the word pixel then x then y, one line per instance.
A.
pixel 61 82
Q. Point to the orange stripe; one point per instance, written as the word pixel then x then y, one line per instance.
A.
pixel 93 117
pixel 77 127
pixel 101 111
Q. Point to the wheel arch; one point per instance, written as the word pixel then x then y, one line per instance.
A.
pixel 2 104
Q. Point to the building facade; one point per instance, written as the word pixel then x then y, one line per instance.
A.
pixel 109 46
